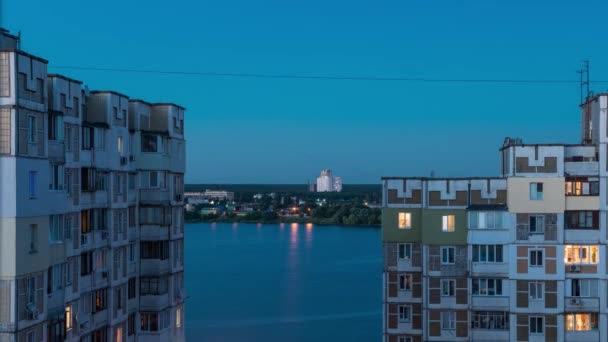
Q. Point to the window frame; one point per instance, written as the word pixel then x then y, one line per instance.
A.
pixel 404 218
pixel 537 320
pixel 536 191
pixel 448 223
pixel 404 313
pixel 536 252
pixel 533 291
pixel 451 287
pixel 407 251
pixel 448 317
pixel 447 249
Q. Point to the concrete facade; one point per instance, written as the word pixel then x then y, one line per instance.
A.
pixel 522 260
pixel 91 222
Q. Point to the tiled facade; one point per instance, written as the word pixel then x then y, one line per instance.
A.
pixel 520 257
pixel 91 209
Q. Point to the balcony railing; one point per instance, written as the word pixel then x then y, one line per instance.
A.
pixel 154 196
pixel 56 152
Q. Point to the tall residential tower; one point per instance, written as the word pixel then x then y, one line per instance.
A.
pixel 520 257
pixel 91 217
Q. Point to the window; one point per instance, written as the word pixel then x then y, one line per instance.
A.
pixel 88 138
pixel 100 300
pixel 100 138
pixel 68 317
pixel 487 253
pixel 582 219
pixel 120 146
pixel 55 278
pixel 131 325
pixel 490 320
pixel 101 180
pixel 119 184
pixel 56 181
pixel 55 123
pixel 485 220
pixel 132 252
pixel 116 113
pixel 578 255
pixel 178 317
pixel 536 290
pixel 537 224
pixel 32 184
pixel 405 219
pixel 536 257
pixel 536 191
pixel 149 321
pixel 448 287
pixel 5 80
pixel 5 128
pixel 149 143
pixel 448 223
pixel 31 129
pixel 86 263
pixel 153 179
pixel 583 288
pixel 487 287
pixel 581 321
pixel 55 228
pixel 582 187
pixel 154 250
pixel 405 282
pixel 131 292
pixel 447 255
pixel 448 320
pixel 405 251
pixel 537 325
pixel 405 313
pixel 33 238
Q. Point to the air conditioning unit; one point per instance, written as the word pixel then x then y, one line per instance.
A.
pixel 575 268
pixel 32 311
pixel 123 160
pixel 575 301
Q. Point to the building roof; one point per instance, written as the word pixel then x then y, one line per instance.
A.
pixel 443 178
pixel 64 78
pixel 108 92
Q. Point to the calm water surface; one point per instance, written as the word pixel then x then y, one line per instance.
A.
pixel 250 282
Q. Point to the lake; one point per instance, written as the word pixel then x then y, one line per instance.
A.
pixel 271 282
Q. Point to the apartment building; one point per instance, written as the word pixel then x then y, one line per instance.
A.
pixel 91 209
pixel 519 257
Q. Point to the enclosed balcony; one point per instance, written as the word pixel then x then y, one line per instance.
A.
pixel 56 152
pixel 154 196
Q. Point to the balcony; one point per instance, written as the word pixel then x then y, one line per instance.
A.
pixel 154 196
pixel 582 202
pixel 582 236
pixel 581 168
pixel 154 266
pixel 152 302
pixel 154 233
pixel 591 335
pixel 489 335
pixel 56 152
pixel 490 303
pixel 581 304
pixel 490 269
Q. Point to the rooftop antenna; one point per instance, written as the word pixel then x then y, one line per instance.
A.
pixel 584 79
pixel 432 173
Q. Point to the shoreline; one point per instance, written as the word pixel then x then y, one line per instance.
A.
pixel 285 221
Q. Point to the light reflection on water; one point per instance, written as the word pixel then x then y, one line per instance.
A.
pixel 283 281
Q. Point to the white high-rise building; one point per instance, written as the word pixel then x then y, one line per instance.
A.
pixel 91 217
pixel 326 182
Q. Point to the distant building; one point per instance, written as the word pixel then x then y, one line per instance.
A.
pixel 326 182
pixel 193 197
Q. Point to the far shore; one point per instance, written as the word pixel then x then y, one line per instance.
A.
pixel 279 221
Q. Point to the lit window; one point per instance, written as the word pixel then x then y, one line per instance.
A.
pixel 68 317
pixel 405 251
pixel 574 254
pixel 536 290
pixel 536 257
pixel 447 255
pixel 405 220
pixel 120 147
pixel 536 191
pixel 448 223
pixel 537 325
pixel 405 313
pixel 178 317
pixel 581 321
pixel 448 287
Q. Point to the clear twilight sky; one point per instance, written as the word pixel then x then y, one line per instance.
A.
pixel 242 130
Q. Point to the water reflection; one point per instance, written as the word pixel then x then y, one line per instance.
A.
pixel 308 240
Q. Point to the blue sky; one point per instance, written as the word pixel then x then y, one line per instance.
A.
pixel 284 130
